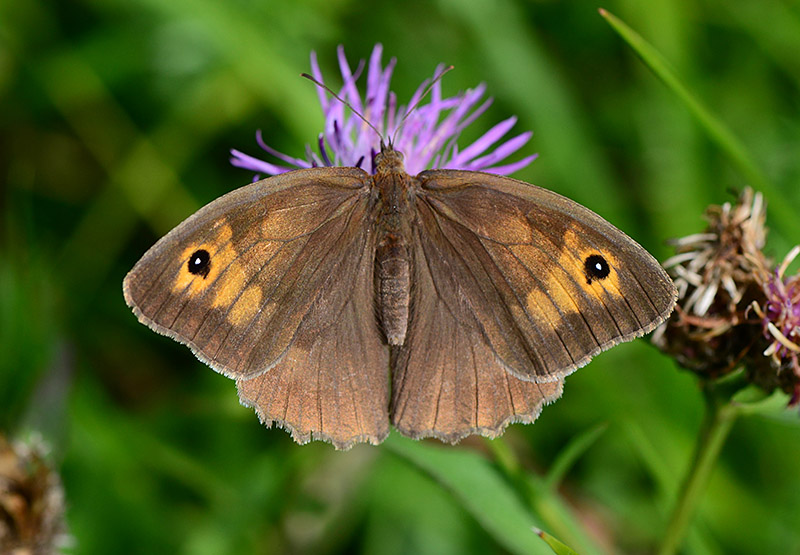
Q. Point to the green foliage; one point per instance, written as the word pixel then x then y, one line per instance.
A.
pixel 116 123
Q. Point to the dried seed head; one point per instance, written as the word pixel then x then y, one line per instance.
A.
pixel 715 273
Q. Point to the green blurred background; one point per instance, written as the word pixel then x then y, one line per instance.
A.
pixel 115 122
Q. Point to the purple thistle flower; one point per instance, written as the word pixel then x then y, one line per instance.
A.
pixel 781 315
pixel 427 137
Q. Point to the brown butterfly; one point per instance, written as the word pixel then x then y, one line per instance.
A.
pixel 449 303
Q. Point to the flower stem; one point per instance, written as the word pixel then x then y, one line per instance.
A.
pixel 720 414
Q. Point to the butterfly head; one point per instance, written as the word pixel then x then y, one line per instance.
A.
pixel 388 160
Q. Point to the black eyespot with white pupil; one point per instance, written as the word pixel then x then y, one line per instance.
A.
pixel 200 263
pixel 595 267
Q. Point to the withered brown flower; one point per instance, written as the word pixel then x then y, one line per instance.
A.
pixel 733 308
pixel 715 273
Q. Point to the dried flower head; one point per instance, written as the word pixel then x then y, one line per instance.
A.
pixel 31 501
pixel 733 309
pixel 427 137
pixel 715 273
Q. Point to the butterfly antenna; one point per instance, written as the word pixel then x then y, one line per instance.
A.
pixel 343 101
pixel 419 100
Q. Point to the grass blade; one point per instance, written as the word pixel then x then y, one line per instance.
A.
pixel 479 488
pixel 717 131
pixel 571 453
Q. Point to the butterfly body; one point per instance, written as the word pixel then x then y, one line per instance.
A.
pixel 448 303
pixel 393 260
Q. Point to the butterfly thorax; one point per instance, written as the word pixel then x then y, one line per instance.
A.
pixel 393 262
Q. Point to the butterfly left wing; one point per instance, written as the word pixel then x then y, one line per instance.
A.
pixel 271 285
pixel 235 280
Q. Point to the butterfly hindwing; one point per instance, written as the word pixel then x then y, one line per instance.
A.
pixel 332 384
pixel 446 381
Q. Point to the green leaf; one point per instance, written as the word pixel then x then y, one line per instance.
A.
pixel 478 487
pixel 558 547
pixel 754 400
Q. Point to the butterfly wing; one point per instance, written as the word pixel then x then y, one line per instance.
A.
pixel 236 279
pixel 548 282
pixel 281 301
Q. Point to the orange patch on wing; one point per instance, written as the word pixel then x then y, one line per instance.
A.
pixel 260 254
pixel 246 307
pixel 552 299
pixel 229 285
pixel 576 252
pixel 249 263
pixel 562 280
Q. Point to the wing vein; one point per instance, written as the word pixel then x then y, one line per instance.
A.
pixel 477 384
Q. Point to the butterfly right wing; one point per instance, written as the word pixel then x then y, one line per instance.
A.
pixel 550 283
pixel 515 287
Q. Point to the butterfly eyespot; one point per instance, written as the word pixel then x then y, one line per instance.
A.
pixel 595 267
pixel 200 263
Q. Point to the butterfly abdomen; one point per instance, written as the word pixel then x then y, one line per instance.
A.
pixel 393 273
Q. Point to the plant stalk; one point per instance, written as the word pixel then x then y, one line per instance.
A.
pixel 720 415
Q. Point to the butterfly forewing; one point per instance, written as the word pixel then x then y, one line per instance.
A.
pixel 549 282
pixel 236 279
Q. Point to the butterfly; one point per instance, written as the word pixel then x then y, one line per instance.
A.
pixel 445 304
